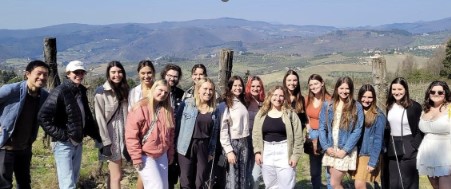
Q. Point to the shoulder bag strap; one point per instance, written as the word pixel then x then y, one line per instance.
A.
pixel 151 126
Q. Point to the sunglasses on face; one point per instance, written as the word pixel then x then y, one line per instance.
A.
pixel 436 92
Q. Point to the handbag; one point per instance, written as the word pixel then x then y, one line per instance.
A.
pixel 397 149
pixel 308 146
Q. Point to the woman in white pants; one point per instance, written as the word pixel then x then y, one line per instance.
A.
pixel 277 140
pixel 149 136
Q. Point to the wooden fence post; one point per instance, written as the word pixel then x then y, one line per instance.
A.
pixel 379 73
pixel 50 59
pixel 225 68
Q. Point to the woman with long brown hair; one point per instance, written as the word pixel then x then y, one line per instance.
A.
pixel 317 96
pixel 234 134
pixel 370 144
pixel 110 105
pixel 340 127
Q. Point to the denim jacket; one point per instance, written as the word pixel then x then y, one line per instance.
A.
pixel 12 99
pixel 185 122
pixel 347 139
pixel 371 143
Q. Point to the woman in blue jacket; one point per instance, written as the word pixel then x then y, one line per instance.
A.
pixel 197 134
pixel 370 144
pixel 340 128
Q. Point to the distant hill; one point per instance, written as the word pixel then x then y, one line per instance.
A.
pixel 189 39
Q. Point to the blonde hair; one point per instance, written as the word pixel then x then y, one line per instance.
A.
pixel 212 102
pixel 165 104
pixel 267 103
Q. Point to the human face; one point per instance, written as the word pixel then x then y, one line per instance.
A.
pixel 367 99
pixel 398 91
pixel 161 93
pixel 172 77
pixel 315 86
pixel 205 92
pixel 116 74
pixel 436 97
pixel 277 99
pixel 255 88
pixel 77 76
pixel 146 76
pixel 197 74
pixel 237 88
pixel 343 91
pixel 292 82
pixel 37 78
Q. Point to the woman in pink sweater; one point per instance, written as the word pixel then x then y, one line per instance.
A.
pixel 149 136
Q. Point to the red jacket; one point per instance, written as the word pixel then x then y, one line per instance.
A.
pixel 161 139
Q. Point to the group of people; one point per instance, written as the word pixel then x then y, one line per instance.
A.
pixel 237 139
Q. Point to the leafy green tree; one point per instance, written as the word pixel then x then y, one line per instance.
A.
pixel 446 71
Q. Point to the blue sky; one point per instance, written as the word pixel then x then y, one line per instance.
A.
pixel 24 14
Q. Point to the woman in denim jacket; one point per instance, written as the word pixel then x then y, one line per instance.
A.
pixel 370 144
pixel 340 128
pixel 197 128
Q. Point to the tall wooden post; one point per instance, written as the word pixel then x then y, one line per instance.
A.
pixel 225 64
pixel 50 59
pixel 379 74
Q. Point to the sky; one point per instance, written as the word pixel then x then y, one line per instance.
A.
pixel 26 14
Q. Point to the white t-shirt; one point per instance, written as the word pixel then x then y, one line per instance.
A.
pixel 394 118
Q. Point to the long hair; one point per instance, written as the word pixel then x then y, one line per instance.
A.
pixel 267 103
pixel 247 91
pixel 371 113
pixel 299 99
pixel 427 104
pixel 121 90
pixel 165 104
pixel 212 102
pixel 349 112
pixel 405 100
pixel 323 91
pixel 228 95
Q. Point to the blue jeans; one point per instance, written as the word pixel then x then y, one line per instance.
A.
pixel 68 162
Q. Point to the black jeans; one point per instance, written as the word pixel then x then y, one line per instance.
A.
pixel 17 162
pixel 194 165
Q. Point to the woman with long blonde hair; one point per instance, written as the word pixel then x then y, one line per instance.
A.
pixel 149 136
pixel 277 140
pixel 197 131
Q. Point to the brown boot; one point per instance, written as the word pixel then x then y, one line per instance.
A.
pixel 315 147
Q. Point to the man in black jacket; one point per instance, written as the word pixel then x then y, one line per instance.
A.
pixel 67 118
pixel 172 73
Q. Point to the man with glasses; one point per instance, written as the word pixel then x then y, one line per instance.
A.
pixel 19 106
pixel 67 118
pixel 172 73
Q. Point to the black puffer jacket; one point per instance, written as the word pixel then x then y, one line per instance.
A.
pixel 60 115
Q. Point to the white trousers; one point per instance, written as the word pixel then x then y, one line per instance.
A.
pixel 276 170
pixel 155 172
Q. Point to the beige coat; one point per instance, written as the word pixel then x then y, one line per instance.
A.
pixel 105 104
pixel 294 134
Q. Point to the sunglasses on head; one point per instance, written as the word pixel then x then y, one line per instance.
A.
pixel 436 92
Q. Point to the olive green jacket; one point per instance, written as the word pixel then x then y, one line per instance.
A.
pixel 294 134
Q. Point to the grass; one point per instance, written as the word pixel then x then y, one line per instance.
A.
pixel 43 170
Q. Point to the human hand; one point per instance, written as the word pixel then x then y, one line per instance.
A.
pixel 258 159
pixel 106 151
pixel 340 154
pixel 210 157
pixel 369 168
pixel 231 158
pixel 293 163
